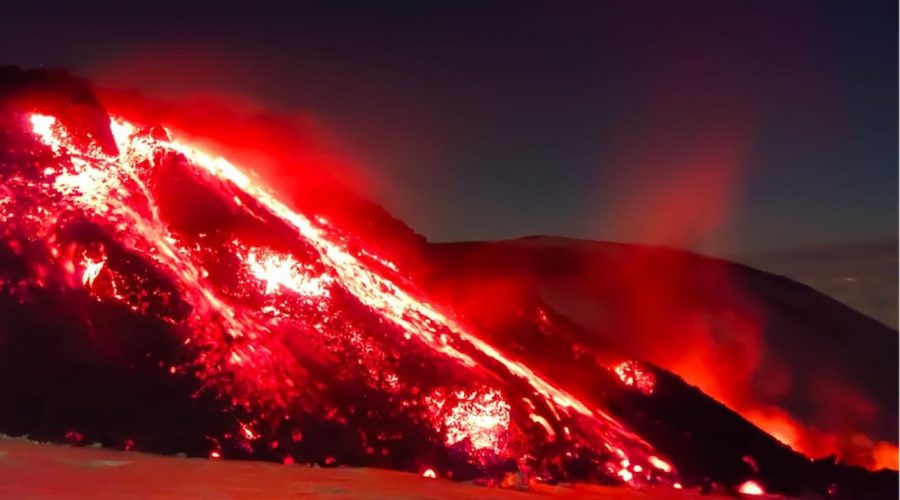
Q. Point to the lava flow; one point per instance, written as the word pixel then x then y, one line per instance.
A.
pixel 281 308
pixel 160 298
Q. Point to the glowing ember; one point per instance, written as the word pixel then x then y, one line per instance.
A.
pixel 751 488
pixel 248 432
pixel 41 125
pixel 632 374
pixel 284 271
pixel 429 473
pixel 551 434
pixel 481 418
pixel 660 464
pixel 92 269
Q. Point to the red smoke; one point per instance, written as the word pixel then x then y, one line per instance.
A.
pixel 292 152
pixel 679 188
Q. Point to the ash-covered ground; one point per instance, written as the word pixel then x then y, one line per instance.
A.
pixel 32 470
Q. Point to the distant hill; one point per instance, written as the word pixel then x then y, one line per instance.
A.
pixel 863 276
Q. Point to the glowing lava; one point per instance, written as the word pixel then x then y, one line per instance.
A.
pixel 479 417
pixel 284 271
pixel 262 311
pixel 632 374
pixel 92 269
pixel 751 488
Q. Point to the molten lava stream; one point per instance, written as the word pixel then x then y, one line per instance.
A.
pixel 286 287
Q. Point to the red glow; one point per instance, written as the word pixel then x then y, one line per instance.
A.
pixel 74 437
pixel 778 424
pixel 886 455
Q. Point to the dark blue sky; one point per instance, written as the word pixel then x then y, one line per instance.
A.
pixel 729 127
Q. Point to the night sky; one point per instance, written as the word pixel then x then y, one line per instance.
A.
pixel 726 127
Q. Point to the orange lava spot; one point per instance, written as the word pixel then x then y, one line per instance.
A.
pixel 886 455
